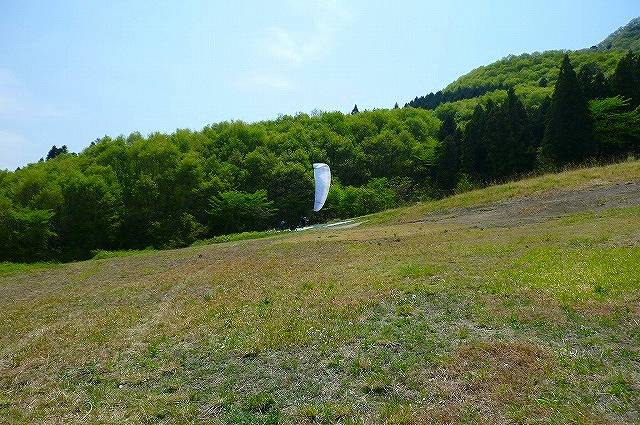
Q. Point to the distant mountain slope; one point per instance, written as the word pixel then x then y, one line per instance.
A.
pixel 528 69
pixel 532 74
pixel 625 38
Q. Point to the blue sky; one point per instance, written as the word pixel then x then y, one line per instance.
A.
pixel 72 71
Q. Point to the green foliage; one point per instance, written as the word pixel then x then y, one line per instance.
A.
pixel 528 69
pixel 291 188
pixel 593 83
pixel 625 38
pixel 464 184
pixel 25 234
pixel 349 201
pixel 10 268
pixel 55 151
pixel 234 237
pixel 235 210
pixel 170 190
pixel 617 128
pixel 498 141
pixel 447 158
pixel 626 78
pixel 507 138
pixel 88 217
pixel 568 135
pixel 463 109
pixel 101 254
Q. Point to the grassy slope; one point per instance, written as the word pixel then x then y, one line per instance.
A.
pixel 391 321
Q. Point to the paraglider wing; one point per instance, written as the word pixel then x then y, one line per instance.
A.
pixel 322 175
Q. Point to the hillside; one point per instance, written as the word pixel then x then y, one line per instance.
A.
pixel 513 304
pixel 533 75
pixel 526 70
pixel 625 38
pixel 168 190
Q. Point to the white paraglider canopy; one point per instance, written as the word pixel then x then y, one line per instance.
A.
pixel 322 175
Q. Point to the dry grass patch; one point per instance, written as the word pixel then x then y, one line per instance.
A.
pixel 488 367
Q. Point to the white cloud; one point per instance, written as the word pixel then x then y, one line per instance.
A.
pixel 295 48
pixel 7 78
pixel 17 102
pixel 267 80
pixel 285 49
pixel 14 150
pixel 282 45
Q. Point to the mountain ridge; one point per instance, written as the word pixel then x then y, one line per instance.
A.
pixel 526 71
pixel 626 37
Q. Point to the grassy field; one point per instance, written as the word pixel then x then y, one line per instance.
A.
pixel 401 320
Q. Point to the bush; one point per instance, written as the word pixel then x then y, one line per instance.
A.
pixel 235 211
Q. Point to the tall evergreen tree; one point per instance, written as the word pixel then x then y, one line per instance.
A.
pixel 55 151
pixel 600 87
pixel 625 81
pixel 538 122
pixel 498 139
pixel 447 155
pixel 396 106
pixel 354 110
pixel 568 135
pixel 593 82
pixel 519 128
pixel 474 148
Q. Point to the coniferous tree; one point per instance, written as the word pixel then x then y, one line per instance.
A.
pixel 600 87
pixel 55 151
pixel 519 132
pixel 473 150
pixel 568 135
pixel 447 155
pixel 498 139
pixel 396 106
pixel 433 100
pixel 354 110
pixel 538 122
pixel 625 80
pixel 593 82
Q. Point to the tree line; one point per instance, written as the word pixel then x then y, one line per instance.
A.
pixel 588 117
pixel 168 190
pixel 433 100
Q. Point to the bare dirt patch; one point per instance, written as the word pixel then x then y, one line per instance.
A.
pixel 598 196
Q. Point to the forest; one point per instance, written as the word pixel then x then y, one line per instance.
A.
pixel 170 190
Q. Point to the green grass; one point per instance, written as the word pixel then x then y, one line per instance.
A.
pixel 417 270
pixel 571 178
pixel 396 321
pixel 101 254
pixel 11 268
pixel 577 273
pixel 234 237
